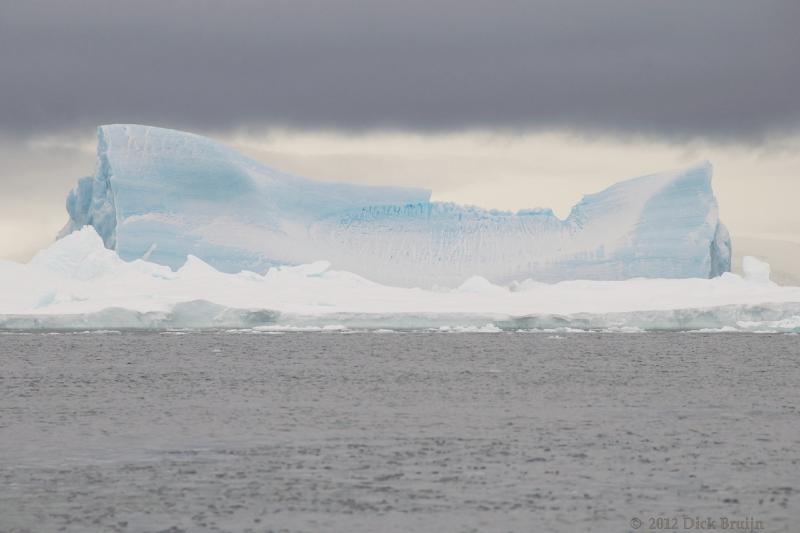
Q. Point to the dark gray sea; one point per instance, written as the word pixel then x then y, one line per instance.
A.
pixel 414 431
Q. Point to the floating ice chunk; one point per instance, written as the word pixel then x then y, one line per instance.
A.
pixel 787 324
pixel 301 329
pixel 487 328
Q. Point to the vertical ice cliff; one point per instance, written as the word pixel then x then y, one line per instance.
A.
pixel 91 202
pixel 164 194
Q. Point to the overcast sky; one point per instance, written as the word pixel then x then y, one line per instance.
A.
pixel 667 67
pixel 517 102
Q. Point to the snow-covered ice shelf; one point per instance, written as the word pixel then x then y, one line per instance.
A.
pixel 79 283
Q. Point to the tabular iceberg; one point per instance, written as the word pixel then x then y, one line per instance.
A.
pixel 163 195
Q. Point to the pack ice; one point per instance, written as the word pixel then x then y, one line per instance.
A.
pixel 163 195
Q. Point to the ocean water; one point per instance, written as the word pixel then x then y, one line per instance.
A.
pixel 398 431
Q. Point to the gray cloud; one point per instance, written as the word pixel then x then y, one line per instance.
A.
pixel 717 68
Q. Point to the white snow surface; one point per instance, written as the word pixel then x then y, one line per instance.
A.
pixel 78 283
pixel 163 195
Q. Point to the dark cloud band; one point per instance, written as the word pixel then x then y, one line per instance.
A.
pixel 720 68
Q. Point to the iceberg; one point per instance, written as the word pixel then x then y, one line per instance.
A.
pixel 164 196
pixel 78 283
